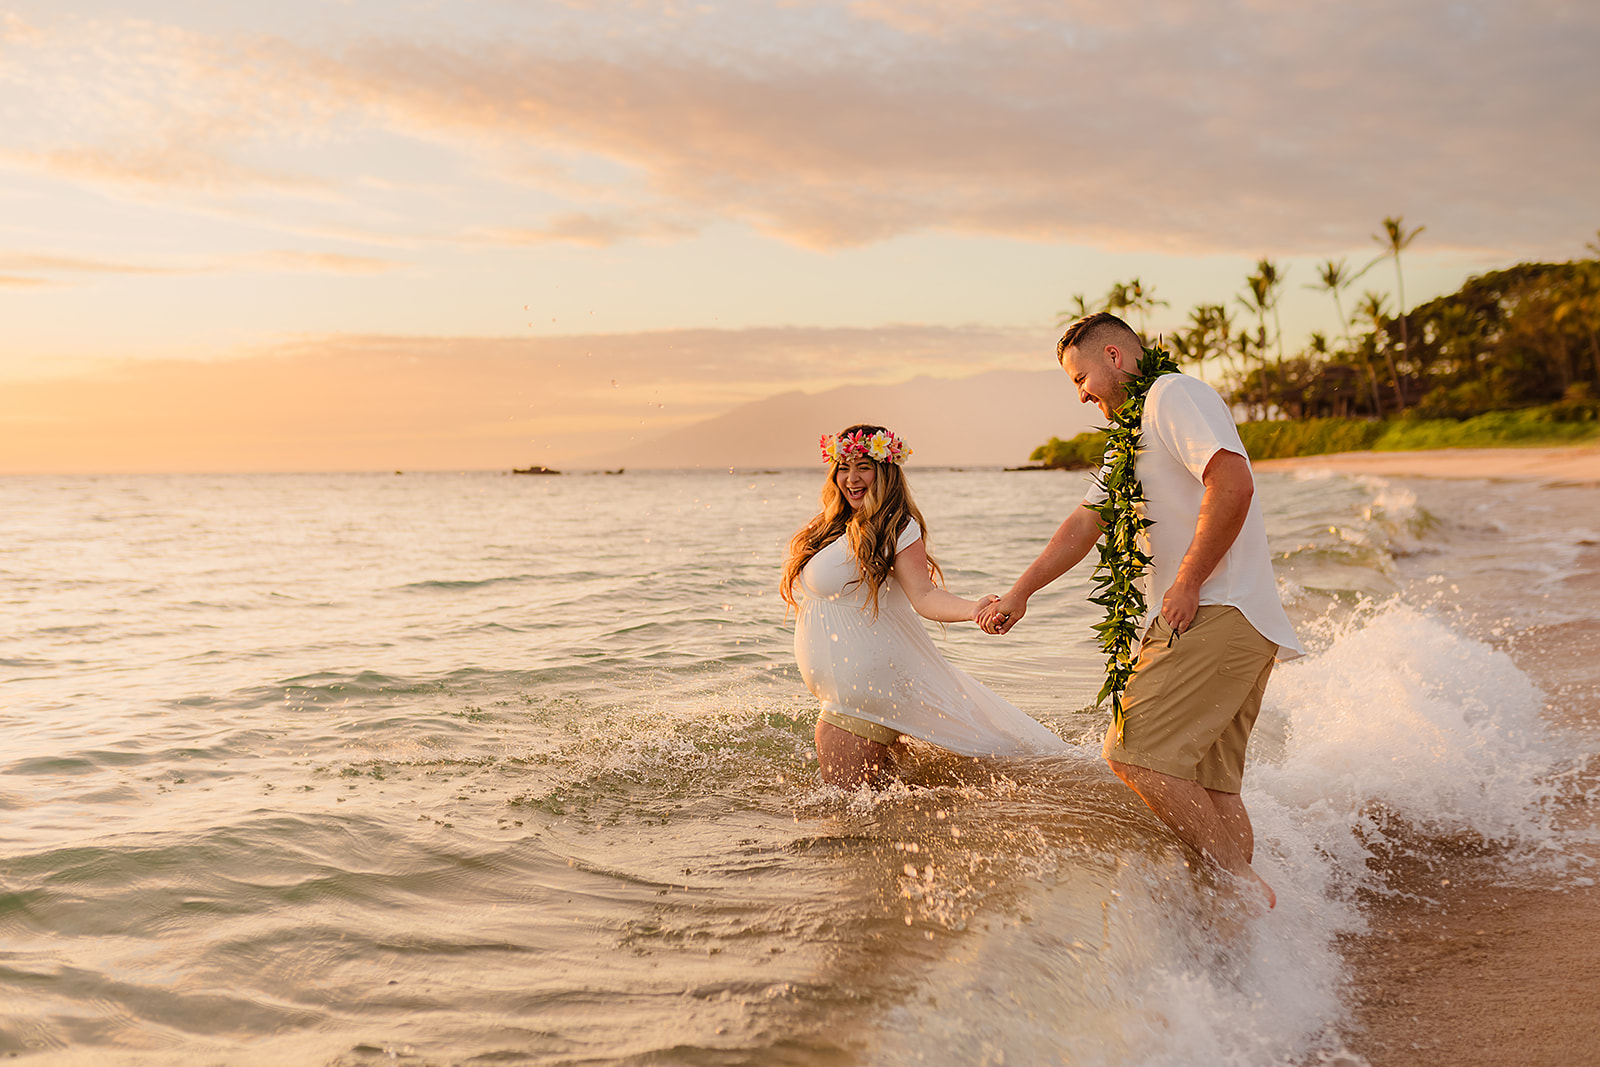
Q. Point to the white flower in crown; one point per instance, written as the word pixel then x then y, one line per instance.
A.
pixel 881 447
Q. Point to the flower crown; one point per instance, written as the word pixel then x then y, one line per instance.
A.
pixel 883 446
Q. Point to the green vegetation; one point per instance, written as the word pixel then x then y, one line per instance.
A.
pixel 1512 358
pixel 1312 437
pixel 1569 422
pixel 1084 450
pixel 1551 424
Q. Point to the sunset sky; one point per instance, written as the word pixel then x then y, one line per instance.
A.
pixel 362 235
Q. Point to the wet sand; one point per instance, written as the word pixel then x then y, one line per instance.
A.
pixel 1474 972
pixel 1482 976
pixel 1571 465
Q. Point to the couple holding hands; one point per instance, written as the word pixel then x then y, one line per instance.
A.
pixel 859 575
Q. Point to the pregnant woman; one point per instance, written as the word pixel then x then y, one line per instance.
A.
pixel 859 575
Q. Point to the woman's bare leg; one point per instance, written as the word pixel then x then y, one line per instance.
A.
pixel 849 760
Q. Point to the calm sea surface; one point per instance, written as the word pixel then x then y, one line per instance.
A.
pixel 482 769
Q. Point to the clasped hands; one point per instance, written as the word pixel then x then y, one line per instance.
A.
pixel 998 614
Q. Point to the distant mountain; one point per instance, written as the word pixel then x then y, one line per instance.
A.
pixel 992 419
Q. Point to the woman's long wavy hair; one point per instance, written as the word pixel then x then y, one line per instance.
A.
pixel 871 528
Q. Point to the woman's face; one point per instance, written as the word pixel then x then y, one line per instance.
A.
pixel 854 477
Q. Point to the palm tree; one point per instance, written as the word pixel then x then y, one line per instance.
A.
pixel 1334 277
pixel 1143 301
pixel 1193 342
pixel 1372 308
pixel 1261 298
pixel 1267 271
pixel 1210 332
pixel 1119 298
pixel 1080 310
pixel 1395 238
pixel 1254 345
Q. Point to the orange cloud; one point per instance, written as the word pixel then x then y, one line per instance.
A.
pixel 330 262
pixel 590 230
pixel 15 29
pixel 377 403
pixel 286 260
pixel 1272 125
pixel 72 264
pixel 193 167
pixel 1240 126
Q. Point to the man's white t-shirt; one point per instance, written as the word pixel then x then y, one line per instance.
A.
pixel 1185 424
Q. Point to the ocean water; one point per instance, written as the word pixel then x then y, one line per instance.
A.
pixel 482 769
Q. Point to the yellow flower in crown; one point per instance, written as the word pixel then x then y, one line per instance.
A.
pixel 880 447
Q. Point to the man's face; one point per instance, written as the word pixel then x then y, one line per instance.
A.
pixel 1098 376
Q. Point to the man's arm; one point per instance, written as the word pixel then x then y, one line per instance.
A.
pixel 1072 541
pixel 1223 508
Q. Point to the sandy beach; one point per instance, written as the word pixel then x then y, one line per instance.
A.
pixel 1474 972
pixel 1575 465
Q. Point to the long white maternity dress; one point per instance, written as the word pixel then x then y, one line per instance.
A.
pixel 887 670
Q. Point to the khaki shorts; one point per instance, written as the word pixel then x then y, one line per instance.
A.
pixel 872 731
pixel 1194 698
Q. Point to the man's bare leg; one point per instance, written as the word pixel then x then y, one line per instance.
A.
pixel 1193 814
pixel 1235 822
pixel 848 760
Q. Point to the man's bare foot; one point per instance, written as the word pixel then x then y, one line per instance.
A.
pixel 1258 895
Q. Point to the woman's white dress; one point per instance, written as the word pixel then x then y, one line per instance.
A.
pixel 887 670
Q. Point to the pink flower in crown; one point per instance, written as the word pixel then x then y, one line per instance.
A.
pixel 883 447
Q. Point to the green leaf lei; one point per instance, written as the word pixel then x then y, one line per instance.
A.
pixel 1122 564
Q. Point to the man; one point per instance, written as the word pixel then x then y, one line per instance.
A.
pixel 1214 625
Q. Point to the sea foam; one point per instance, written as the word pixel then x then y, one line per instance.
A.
pixel 1397 730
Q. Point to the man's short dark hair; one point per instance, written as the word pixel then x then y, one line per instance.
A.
pixel 1101 328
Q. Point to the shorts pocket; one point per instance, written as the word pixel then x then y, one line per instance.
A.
pixel 1158 630
pixel 1247 652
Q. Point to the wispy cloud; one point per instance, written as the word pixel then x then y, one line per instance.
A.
pixel 590 230
pixel 1243 125
pixel 53 269
pixel 15 29
pixel 177 161
pixel 134 102
pixel 73 264
pixel 329 262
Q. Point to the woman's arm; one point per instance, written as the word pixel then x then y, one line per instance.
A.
pixel 929 601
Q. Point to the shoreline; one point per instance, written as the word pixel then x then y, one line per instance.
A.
pixel 1481 974
pixel 1572 465
pixel 1458 968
